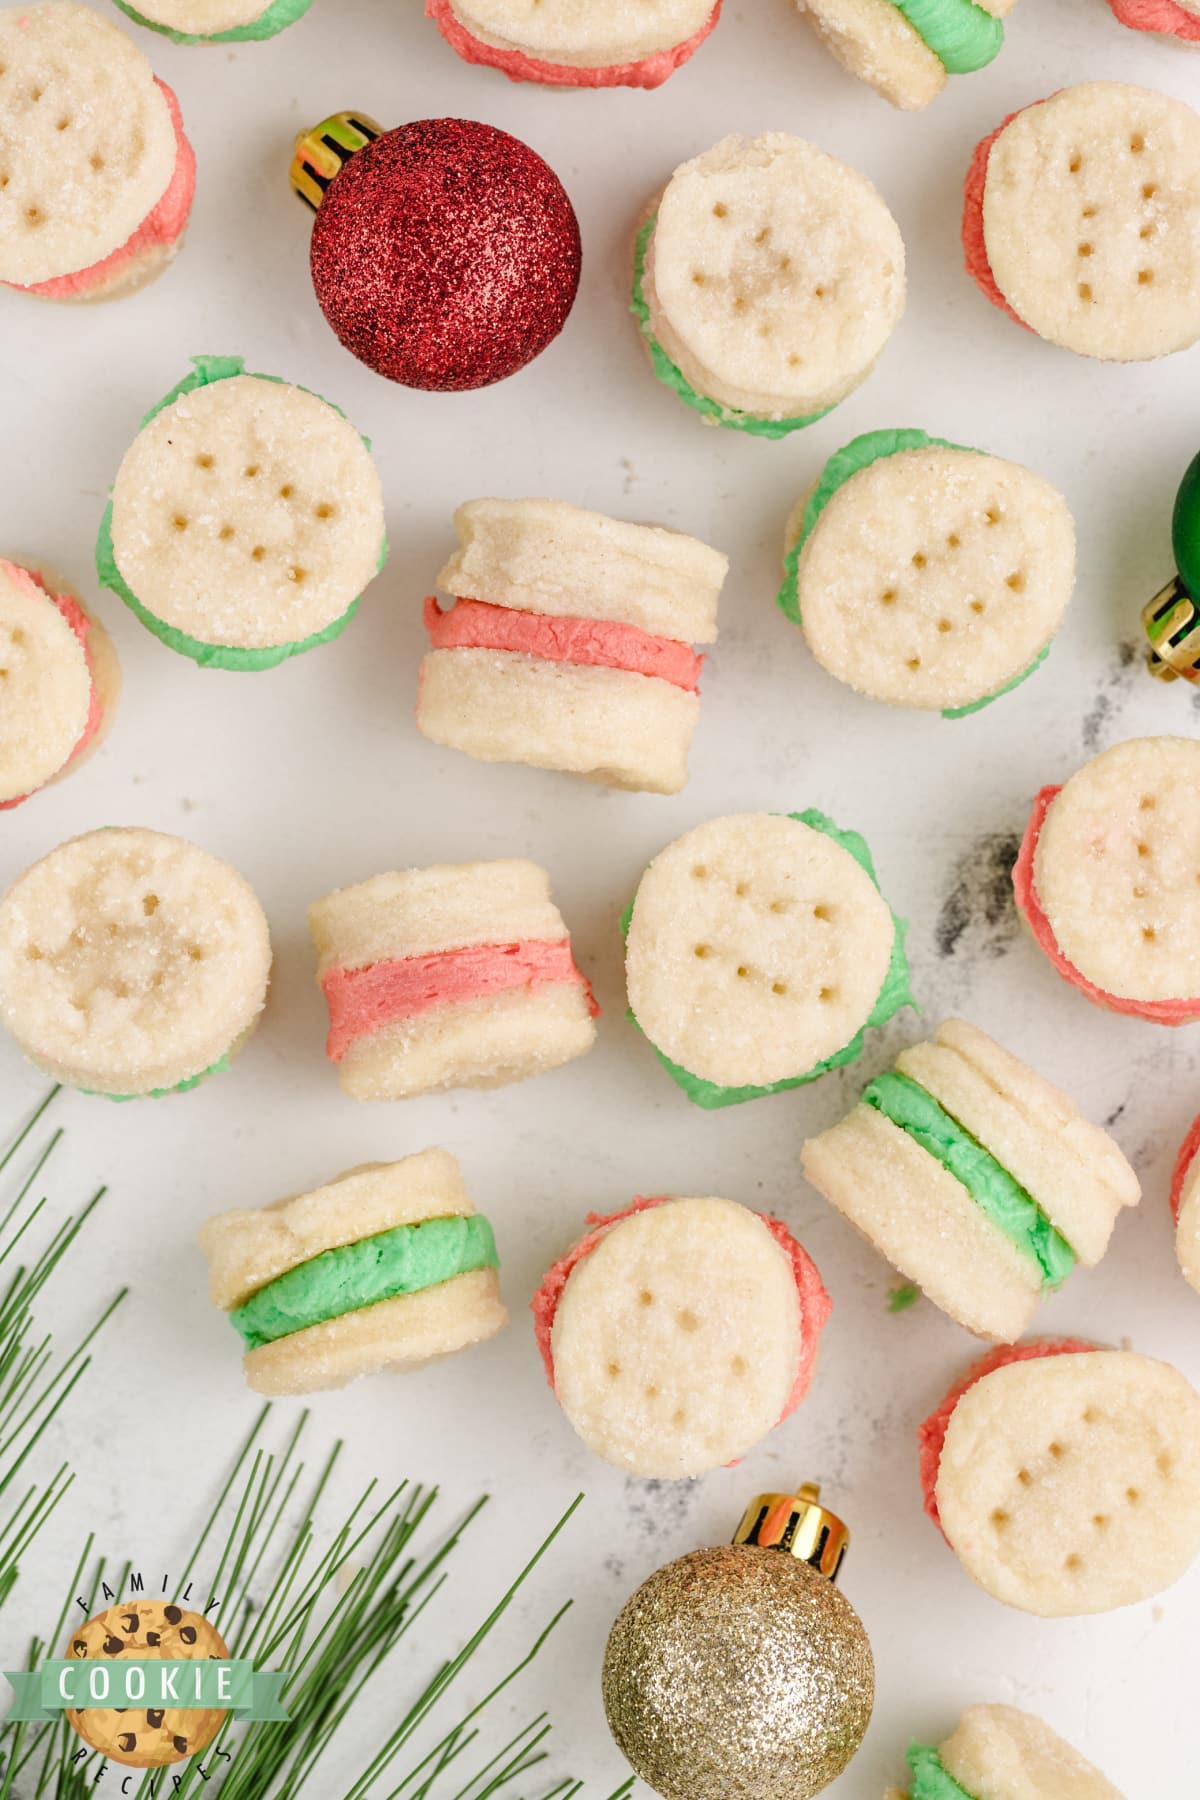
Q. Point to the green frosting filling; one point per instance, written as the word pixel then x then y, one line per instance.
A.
pixel 206 371
pixel 278 16
pixel 403 1261
pixel 855 456
pixel 961 35
pixel 674 378
pixel 930 1779
pixel 181 1087
pixel 1002 1198
pixel 893 995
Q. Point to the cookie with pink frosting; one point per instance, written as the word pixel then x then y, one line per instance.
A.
pixel 1081 220
pixel 1185 1205
pixel 1175 19
pixel 1066 1477
pixel 452 976
pixel 61 679
pixel 560 43
pixel 98 174
pixel 678 1333
pixel 569 644
pixel 1107 879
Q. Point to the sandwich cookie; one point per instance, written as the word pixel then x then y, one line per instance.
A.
pixel 768 277
pixel 1177 19
pixel 245 521
pixel 216 21
pixel 1185 1205
pixel 61 679
pixel 998 1753
pixel 448 977
pixel 1065 1477
pixel 758 951
pixel 131 963
pixel 569 643
pixel 906 49
pixel 926 574
pixel 1082 221
pixel 607 43
pixel 1108 879
pixel 387 1267
pixel 96 175
pixel 678 1333
pixel 977 1179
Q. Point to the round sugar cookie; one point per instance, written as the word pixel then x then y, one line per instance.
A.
pixel 87 143
pixel 1071 1484
pixel 935 577
pixel 1091 220
pixel 1116 870
pixel 1004 1754
pixel 399 1335
pixel 60 679
pixel 247 518
pixel 131 962
pixel 677 1339
pixel 757 948
pixel 215 21
pixel 774 276
pixel 584 33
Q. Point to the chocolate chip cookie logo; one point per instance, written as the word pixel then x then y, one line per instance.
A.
pixel 147 1684
pixel 150 1631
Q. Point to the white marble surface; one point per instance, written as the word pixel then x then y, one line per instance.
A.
pixel 314 776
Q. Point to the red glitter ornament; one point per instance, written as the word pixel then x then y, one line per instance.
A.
pixel 446 254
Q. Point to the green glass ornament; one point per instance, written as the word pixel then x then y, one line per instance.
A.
pixel 1172 618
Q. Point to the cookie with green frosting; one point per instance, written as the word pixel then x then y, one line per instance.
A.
pixel 245 521
pixel 386 1267
pixel 907 49
pixel 216 21
pixel 976 1178
pixel 999 1753
pixel 768 277
pixel 926 574
pixel 758 951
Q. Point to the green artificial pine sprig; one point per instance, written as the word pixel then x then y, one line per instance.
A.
pixel 331 1618
pixel 34 1382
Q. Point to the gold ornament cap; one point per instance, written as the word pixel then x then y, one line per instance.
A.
pixel 321 153
pixel 1172 625
pixel 798 1525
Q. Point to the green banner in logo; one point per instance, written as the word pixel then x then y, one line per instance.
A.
pixel 83 1686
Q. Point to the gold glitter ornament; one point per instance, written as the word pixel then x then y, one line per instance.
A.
pixel 741 1673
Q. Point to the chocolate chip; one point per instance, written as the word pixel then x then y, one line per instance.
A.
pixel 127 1742
pixel 181 1744
pixel 152 1640
pixel 154 1719
pixel 130 1623
pixel 80 1646
pixel 113 1645
pixel 172 1615
pixel 188 1634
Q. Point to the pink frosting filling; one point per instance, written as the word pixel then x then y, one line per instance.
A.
pixel 651 72
pixel 362 1001
pixel 1159 1012
pixel 1158 15
pixel 931 1436
pixel 161 226
pixel 594 643
pixel 815 1304
pixel 1187 1156
pixel 81 625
